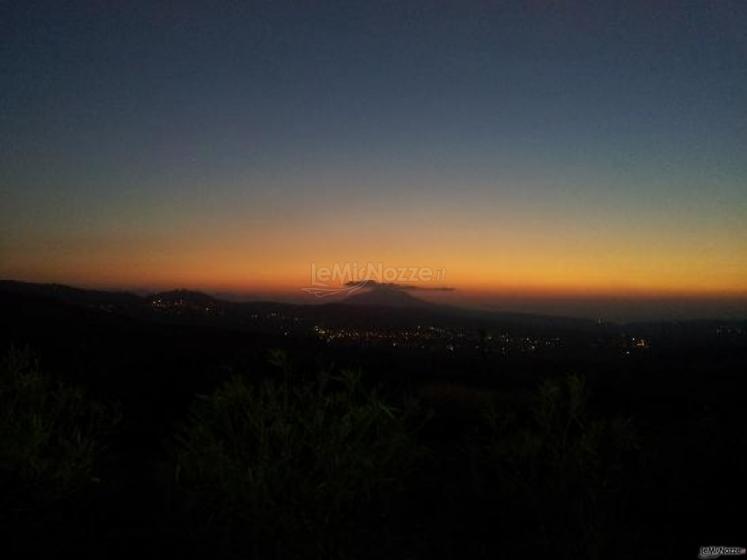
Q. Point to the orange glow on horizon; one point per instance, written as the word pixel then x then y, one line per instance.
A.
pixel 481 256
pixel 282 280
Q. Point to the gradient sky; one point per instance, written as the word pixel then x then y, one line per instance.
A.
pixel 527 147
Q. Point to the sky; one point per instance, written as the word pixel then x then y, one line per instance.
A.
pixel 529 149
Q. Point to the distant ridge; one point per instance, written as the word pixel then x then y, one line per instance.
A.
pixel 69 294
pixel 369 301
pixel 185 296
pixel 386 297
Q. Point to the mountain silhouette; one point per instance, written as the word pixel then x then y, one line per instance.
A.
pixel 69 294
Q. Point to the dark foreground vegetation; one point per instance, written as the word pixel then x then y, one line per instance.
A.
pixel 127 437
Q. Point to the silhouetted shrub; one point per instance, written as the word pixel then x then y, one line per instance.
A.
pixel 562 468
pixel 291 468
pixel 49 437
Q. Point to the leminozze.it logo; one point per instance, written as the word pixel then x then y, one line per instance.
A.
pixel 346 278
pixel 718 551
